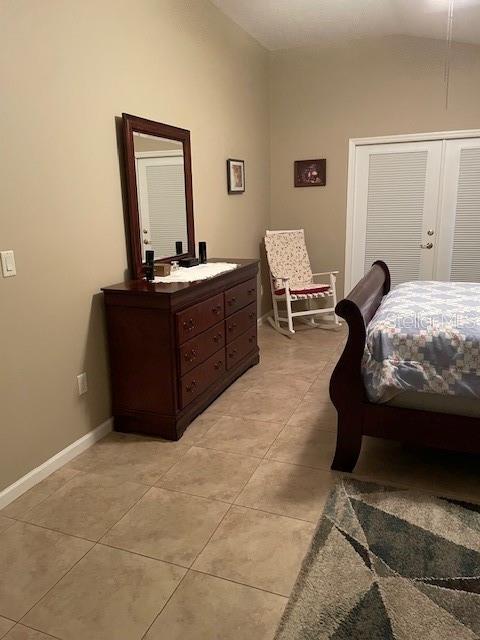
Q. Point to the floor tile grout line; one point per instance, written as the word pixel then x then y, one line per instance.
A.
pixel 192 495
pixel 196 495
pixel 191 565
pixel 244 584
pixel 147 489
pixel 227 415
pixel 199 445
pixel 13 521
pixel 62 533
pixel 367 477
pixel 54 585
pixel 109 545
pixel 142 483
pixel 245 484
pixel 248 455
pixel 50 495
pixel 49 635
pixel 275 513
pixel 284 426
pixel 211 535
pixel 9 619
pixel 94 544
pixel 166 603
pixel 14 624
pixel 73 535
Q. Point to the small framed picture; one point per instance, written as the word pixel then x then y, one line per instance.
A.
pixel 310 173
pixel 235 176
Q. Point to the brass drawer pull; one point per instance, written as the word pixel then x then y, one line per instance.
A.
pixel 232 353
pixel 232 300
pixel 190 387
pixel 189 325
pixel 250 291
pixel 217 337
pixel 251 315
pixel 218 364
pixel 216 309
pixel 190 355
pixel 232 326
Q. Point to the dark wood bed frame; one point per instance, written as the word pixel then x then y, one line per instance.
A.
pixel 357 416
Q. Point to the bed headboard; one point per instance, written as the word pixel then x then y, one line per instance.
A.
pixel 357 309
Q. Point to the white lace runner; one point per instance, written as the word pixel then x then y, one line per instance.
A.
pixel 200 272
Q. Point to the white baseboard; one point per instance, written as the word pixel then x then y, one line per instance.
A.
pixel 263 319
pixel 9 494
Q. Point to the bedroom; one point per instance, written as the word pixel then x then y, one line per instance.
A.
pixel 268 83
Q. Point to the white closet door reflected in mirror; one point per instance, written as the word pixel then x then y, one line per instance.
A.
pixel 160 177
pixel 416 205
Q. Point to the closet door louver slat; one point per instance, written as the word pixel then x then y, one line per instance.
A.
pixel 465 261
pixel 395 209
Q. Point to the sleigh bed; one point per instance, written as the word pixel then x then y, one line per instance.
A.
pixel 412 400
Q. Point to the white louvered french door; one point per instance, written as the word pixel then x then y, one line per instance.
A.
pixel 396 204
pixel 458 244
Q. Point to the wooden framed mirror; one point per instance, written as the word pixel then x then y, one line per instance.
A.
pixel 159 189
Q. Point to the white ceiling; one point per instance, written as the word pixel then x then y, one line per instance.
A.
pixel 283 24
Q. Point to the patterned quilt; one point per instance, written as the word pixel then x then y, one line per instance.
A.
pixel 425 337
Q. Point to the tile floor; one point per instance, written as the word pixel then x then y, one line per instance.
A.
pixel 200 539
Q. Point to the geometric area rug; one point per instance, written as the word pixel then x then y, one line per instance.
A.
pixel 388 564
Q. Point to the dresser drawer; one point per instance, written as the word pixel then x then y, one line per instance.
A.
pixel 198 349
pixel 199 317
pixel 199 379
pixel 239 322
pixel 238 297
pixel 242 346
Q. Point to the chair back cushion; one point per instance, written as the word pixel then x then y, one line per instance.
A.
pixel 288 258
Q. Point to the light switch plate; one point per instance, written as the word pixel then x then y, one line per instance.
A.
pixel 8 264
pixel 82 383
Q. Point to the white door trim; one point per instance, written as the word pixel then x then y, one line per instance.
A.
pixel 355 143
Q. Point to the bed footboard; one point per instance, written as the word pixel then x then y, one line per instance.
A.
pixel 347 390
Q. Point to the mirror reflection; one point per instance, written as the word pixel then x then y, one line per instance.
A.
pixel 160 173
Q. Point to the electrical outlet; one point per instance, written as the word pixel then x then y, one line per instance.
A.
pixel 82 384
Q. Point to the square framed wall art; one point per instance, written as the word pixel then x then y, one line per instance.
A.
pixel 235 175
pixel 310 173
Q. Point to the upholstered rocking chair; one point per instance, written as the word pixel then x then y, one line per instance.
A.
pixel 292 280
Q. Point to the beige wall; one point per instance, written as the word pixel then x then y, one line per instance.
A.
pixel 322 97
pixel 66 70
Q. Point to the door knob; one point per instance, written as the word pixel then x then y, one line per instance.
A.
pixel 429 245
pixel 430 232
pixel 146 241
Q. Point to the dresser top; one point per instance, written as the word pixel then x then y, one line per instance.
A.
pixel 145 287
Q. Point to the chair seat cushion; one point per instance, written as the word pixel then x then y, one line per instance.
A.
pixel 305 290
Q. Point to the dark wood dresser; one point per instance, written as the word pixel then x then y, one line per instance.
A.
pixel 175 347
